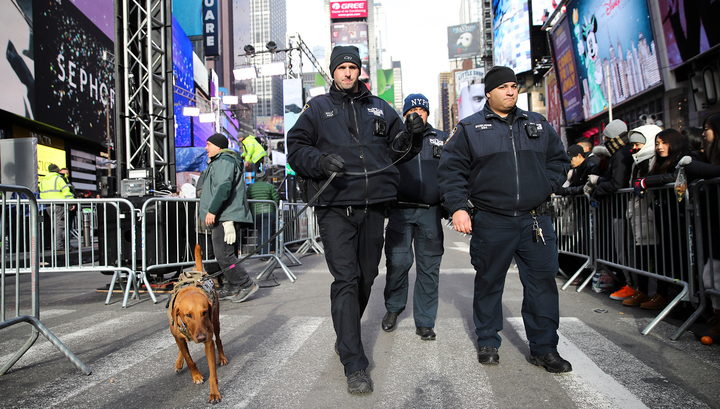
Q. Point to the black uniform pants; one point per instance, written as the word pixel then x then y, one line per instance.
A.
pixel 353 241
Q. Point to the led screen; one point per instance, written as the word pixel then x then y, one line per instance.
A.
pixel 511 32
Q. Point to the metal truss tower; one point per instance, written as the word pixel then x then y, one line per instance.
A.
pixel 144 80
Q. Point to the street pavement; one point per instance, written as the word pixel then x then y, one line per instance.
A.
pixel 280 347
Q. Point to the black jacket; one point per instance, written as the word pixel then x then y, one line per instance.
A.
pixel 361 128
pixel 617 175
pixel 499 166
pixel 579 178
pixel 418 176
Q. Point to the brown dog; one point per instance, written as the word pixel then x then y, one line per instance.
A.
pixel 194 314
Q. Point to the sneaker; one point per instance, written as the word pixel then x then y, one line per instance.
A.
pixel 488 355
pixel 359 382
pixel 637 299
pixel 658 302
pixel 623 293
pixel 245 293
pixel 228 291
pixel 552 362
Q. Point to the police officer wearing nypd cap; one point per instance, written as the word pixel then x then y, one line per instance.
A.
pixel 357 137
pixel 496 175
pixel 416 218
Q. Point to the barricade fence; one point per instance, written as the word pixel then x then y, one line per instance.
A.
pixel 303 230
pixel 20 251
pixel 574 223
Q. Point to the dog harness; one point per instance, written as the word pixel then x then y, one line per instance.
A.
pixel 197 279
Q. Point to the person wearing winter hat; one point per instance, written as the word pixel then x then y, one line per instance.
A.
pixel 223 206
pixel 351 208
pixel 617 175
pixel 55 186
pixel 416 218
pixel 581 170
pixel 503 210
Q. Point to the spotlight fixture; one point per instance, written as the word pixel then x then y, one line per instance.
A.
pixel 209 117
pixel 249 98
pixel 245 73
pixel 271 46
pixel 249 49
pixel 230 99
pixel 191 111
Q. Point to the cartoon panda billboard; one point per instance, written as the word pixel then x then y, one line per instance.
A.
pixel 463 40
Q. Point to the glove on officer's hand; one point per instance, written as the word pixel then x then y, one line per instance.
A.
pixel 332 163
pixel 229 228
pixel 414 125
pixel 684 161
pixel 593 179
pixel 640 187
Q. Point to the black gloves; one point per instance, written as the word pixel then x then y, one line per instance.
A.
pixel 332 163
pixel 414 125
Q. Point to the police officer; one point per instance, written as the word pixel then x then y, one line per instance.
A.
pixel 501 165
pixel 354 137
pixel 416 217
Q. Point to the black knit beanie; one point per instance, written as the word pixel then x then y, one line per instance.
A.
pixel 342 54
pixel 218 140
pixel 497 76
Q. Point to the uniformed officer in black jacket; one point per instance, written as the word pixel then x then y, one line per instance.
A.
pixel 496 174
pixel 416 217
pixel 357 137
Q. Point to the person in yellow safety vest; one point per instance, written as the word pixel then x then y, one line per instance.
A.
pixel 253 152
pixel 54 186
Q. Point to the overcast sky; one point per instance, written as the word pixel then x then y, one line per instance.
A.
pixel 417 37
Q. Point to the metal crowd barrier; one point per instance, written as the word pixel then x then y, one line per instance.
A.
pixel 574 223
pixel 20 252
pixel 303 230
pixel 705 201
pixel 649 236
pixel 170 228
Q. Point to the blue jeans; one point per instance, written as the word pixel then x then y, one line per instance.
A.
pixel 496 239
pixel 265 227
pixel 424 228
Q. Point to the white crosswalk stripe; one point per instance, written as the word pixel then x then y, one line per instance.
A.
pixel 626 381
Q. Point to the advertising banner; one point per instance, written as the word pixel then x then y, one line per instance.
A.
pixel 386 86
pixel 185 86
pixel 552 100
pixel 74 70
pixel 211 27
pixel 567 76
pixel 511 30
pixel 463 40
pixel 353 33
pixel 17 69
pixel 470 91
pixel 612 39
pixel 348 9
pixel 292 101
pixel 688 27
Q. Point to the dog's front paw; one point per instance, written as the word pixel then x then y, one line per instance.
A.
pixel 223 361
pixel 198 379
pixel 214 398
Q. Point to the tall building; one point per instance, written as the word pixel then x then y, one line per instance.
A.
pixel 265 21
pixel 397 82
pixel 480 11
pixel 444 119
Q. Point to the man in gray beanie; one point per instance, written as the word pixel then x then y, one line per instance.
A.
pixel 503 201
pixel 355 138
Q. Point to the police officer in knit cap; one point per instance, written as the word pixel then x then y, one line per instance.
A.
pixel 416 218
pixel 502 200
pixel 354 137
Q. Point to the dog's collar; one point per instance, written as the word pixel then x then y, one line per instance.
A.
pixel 198 280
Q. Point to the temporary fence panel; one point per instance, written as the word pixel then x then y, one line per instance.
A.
pixel 705 202
pixel 574 223
pixel 266 222
pixel 648 236
pixel 303 229
pixel 20 250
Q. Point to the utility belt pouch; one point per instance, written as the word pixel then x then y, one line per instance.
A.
pixel 472 210
pixel 543 209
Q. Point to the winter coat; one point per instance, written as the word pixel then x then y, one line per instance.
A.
pixel 223 189
pixel 418 176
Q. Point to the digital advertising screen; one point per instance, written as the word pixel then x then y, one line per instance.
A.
pixel 348 9
pixel 567 75
pixel 552 100
pixel 74 67
pixel 386 86
pixel 688 27
pixel 353 33
pixel 183 74
pixel 511 32
pixel 542 9
pixel 612 40
pixel 463 40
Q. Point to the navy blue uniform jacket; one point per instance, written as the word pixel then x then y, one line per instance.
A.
pixel 418 176
pixel 498 166
pixel 362 130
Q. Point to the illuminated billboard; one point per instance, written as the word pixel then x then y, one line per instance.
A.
pixel 511 32
pixel 386 86
pixel 542 9
pixel 616 40
pixel 353 33
pixel 348 9
pixel 183 73
pixel 688 28
pixel 463 40
pixel 567 76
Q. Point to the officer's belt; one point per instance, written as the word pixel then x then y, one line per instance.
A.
pixel 410 205
pixel 541 210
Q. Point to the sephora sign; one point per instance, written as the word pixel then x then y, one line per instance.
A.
pixel 348 9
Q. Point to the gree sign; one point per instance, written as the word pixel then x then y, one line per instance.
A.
pixel 211 27
pixel 348 9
